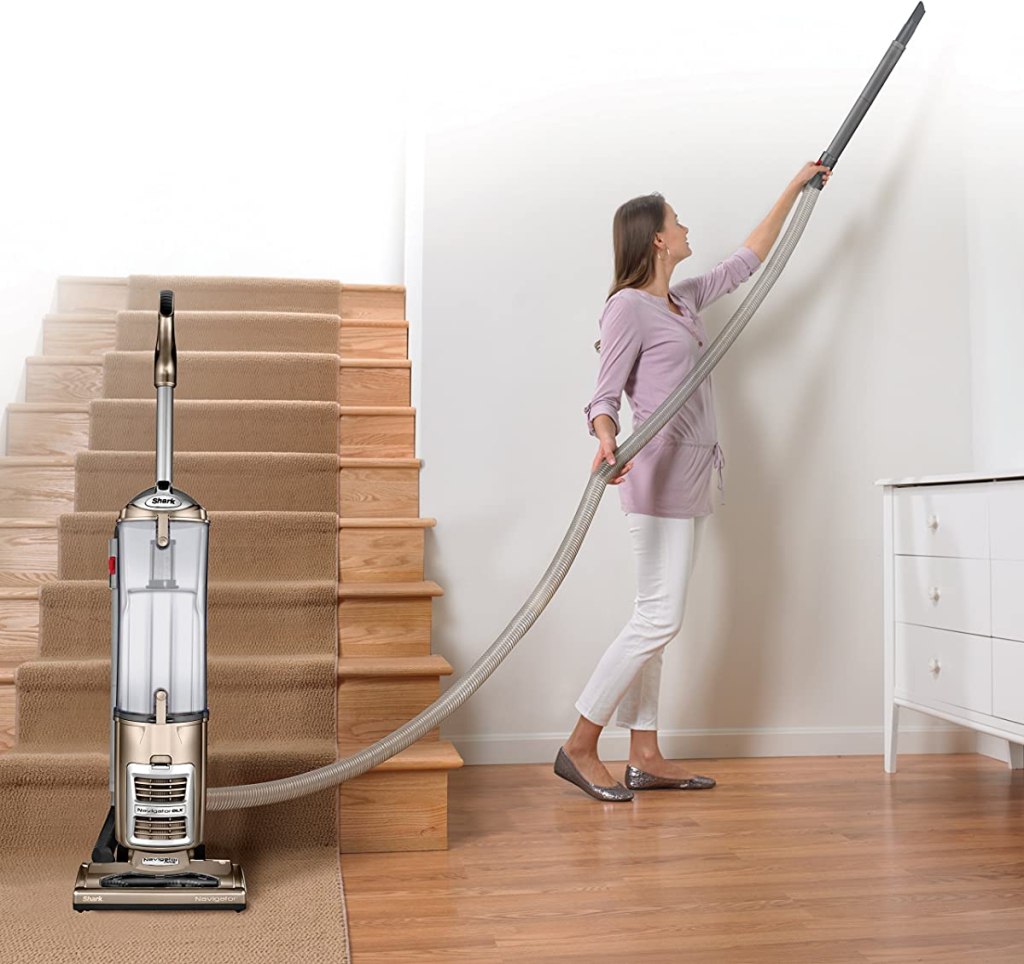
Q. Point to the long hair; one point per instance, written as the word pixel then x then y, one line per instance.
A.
pixel 633 229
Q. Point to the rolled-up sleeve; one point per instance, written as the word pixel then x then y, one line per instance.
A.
pixel 723 278
pixel 621 343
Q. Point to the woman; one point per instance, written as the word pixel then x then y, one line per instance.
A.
pixel 651 336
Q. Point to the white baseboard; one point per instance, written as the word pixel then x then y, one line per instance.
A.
pixel 717 744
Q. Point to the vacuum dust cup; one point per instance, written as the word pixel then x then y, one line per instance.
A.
pixel 150 852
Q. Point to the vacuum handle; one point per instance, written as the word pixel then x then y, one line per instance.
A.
pixel 831 155
pixel 165 377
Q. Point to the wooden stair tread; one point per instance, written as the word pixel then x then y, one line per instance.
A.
pixel 355 667
pixel 28 523
pixel 390 522
pixel 346 462
pixel 10 592
pixel 375 362
pixel 424 755
pixel 36 461
pixel 96 360
pixel 352 590
pixel 81 408
pixel 373 323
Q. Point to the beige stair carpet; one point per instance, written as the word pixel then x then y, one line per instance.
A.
pixel 226 374
pixel 266 481
pixel 208 426
pixel 233 331
pixel 272 625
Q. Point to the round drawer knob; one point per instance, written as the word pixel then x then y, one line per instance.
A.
pixel 933 594
pixel 934 666
pixel 933 522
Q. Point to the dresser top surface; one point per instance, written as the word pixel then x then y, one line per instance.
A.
pixel 977 476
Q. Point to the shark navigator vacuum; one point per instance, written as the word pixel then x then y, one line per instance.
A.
pixel 150 853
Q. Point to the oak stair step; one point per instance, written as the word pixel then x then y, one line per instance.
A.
pixel 44 486
pixel 94 334
pixel 110 295
pixel 62 428
pixel 383 621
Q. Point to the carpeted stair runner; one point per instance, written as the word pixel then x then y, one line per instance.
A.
pixel 272 629
pixel 256 331
pixel 126 425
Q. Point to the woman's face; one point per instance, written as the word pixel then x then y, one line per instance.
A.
pixel 674 236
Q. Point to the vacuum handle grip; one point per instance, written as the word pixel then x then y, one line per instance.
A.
pixel 831 155
pixel 165 365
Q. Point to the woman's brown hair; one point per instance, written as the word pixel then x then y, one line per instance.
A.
pixel 633 229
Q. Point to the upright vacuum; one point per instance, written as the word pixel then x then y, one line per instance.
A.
pixel 150 853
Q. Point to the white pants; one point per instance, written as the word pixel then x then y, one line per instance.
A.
pixel 629 673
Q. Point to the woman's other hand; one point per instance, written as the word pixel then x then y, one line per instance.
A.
pixel 606 453
pixel 808 171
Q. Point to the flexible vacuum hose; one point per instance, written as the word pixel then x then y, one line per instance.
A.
pixel 276 791
pixel 289 788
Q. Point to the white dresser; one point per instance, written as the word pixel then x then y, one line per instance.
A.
pixel 954 603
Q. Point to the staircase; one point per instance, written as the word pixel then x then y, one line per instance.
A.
pixel 302 341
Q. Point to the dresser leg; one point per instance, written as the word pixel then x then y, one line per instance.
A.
pixel 892 720
pixel 1016 756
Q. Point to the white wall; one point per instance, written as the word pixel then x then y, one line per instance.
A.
pixel 199 138
pixel 856 367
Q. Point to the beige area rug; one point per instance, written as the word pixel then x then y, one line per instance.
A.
pixel 272 632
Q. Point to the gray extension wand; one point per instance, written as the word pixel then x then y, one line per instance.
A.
pixel 275 791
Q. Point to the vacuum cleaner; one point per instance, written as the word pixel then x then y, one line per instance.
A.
pixel 126 865
pixel 150 853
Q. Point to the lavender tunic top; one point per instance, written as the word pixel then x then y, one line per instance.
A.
pixel 646 351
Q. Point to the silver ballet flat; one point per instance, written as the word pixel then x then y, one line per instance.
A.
pixel 641 780
pixel 566 769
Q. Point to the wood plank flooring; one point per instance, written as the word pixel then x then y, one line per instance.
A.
pixel 801 859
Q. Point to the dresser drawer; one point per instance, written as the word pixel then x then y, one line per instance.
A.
pixel 938 666
pixel 941 521
pixel 1008 599
pixel 1006 520
pixel 1008 679
pixel 944 593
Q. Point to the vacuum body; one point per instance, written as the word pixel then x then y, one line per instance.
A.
pixel 150 852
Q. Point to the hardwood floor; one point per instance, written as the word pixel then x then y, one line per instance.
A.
pixel 801 859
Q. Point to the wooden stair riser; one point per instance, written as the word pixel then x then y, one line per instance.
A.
pixel 377 492
pixel 46 433
pixel 103 295
pixel 19 630
pixel 67 335
pixel 47 491
pixel 28 555
pixel 384 627
pixel 378 555
pixel 31 432
pixel 371 707
pixel 377 436
pixel 357 340
pixel 374 386
pixel 37 491
pixel 63 380
pixel 387 812
pixel 91 295
pixel 7 716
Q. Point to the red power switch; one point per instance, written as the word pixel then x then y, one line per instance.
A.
pixel 112 564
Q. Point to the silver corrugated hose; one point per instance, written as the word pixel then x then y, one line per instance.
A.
pixel 276 791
